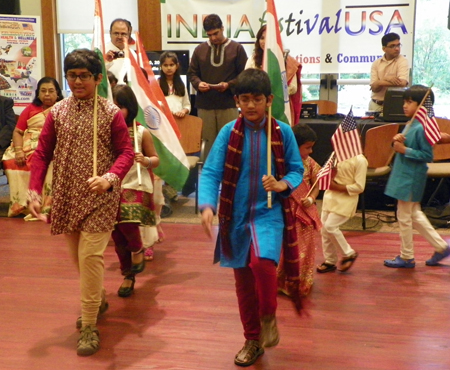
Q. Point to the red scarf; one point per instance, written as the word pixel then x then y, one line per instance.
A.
pixel 229 183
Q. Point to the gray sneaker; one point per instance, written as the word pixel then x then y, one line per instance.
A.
pixel 88 343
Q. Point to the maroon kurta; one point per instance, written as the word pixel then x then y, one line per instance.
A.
pixel 67 138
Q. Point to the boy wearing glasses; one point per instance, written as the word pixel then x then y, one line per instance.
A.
pixel 390 70
pixel 250 233
pixel 85 203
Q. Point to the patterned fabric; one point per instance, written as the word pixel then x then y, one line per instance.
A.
pixel 67 137
pixel 136 200
pixel 307 223
pixel 137 207
pixel 19 177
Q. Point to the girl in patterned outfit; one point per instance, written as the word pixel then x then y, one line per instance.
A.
pixel 85 204
pixel 307 219
pixel 136 203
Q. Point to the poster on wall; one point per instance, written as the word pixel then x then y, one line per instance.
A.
pixel 20 68
pixel 324 36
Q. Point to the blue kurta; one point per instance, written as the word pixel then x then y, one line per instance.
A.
pixel 251 220
pixel 409 173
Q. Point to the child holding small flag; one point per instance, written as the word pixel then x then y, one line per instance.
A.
pixel 250 233
pixel 136 202
pixel 307 219
pixel 409 175
pixel 340 200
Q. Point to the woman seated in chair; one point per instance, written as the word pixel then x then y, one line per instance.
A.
pixel 17 157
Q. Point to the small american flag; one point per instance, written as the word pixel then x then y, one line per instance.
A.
pixel 324 175
pixel 346 141
pixel 425 115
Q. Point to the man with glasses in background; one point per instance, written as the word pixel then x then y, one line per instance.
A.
pixel 120 31
pixel 390 70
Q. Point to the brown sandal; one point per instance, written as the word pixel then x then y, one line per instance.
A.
pixel 325 267
pixel 249 353
pixel 347 262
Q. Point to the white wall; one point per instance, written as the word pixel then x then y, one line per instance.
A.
pixel 30 7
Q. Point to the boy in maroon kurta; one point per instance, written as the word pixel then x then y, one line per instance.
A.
pixel 85 203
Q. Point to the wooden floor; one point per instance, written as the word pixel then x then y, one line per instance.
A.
pixel 184 315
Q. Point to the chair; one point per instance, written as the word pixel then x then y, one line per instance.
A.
pixel 191 141
pixel 324 106
pixel 440 168
pixel 379 154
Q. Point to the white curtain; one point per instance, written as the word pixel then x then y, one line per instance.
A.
pixel 77 16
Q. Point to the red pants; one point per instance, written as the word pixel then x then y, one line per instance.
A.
pixel 127 239
pixel 256 290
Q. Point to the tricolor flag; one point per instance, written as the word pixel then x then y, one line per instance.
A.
pixel 273 64
pixel 155 89
pixel 98 45
pixel 173 164
pixel 325 174
pixel 346 141
pixel 425 115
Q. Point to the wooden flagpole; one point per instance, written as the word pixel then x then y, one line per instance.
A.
pixel 136 150
pixel 269 154
pixel 95 131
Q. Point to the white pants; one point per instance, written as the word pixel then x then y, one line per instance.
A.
pixel 87 251
pixel 410 215
pixel 374 107
pixel 332 237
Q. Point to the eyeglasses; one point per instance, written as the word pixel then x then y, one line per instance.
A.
pixel 394 46
pixel 85 76
pixel 120 34
pixel 255 101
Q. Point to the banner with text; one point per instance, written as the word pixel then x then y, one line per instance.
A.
pixel 20 64
pixel 325 36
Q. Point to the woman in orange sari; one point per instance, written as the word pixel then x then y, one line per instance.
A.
pixel 17 157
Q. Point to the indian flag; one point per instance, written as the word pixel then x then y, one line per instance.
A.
pixel 157 94
pixel 273 64
pixel 98 45
pixel 174 166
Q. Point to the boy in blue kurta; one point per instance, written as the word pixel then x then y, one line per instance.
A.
pixel 251 234
pixel 407 184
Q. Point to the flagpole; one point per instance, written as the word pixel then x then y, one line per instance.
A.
pixel 136 150
pixel 317 179
pixel 95 131
pixel 269 154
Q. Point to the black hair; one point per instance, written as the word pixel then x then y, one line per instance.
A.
pixel 416 93
pixel 178 85
pixel 212 22
pixel 83 58
pixel 124 98
pixel 112 78
pixel 259 52
pixel 253 81
pixel 127 22
pixel 386 39
pixel 36 101
pixel 303 134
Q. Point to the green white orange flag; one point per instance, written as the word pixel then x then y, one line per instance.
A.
pixel 173 163
pixel 98 45
pixel 157 94
pixel 273 64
